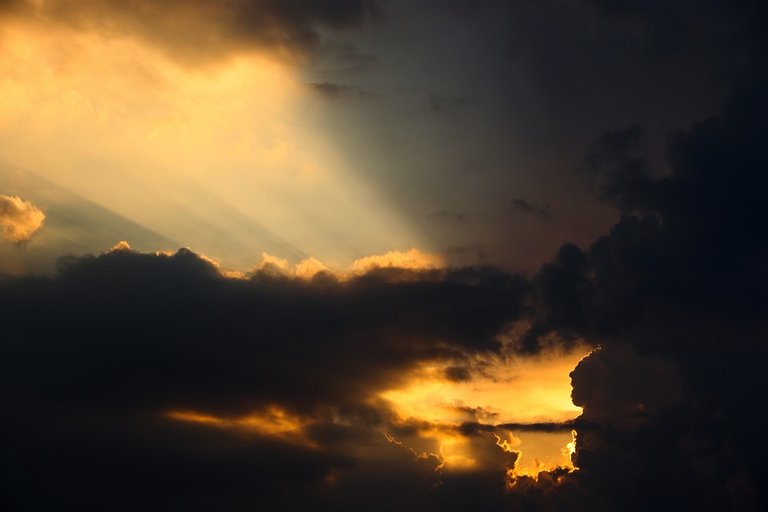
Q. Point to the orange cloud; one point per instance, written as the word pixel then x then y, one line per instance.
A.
pixel 19 219
pixel 412 259
pixel 122 245
pixel 505 394
pixel 270 422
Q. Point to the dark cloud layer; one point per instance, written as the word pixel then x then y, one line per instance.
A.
pixel 299 343
pixel 676 296
pixel 93 358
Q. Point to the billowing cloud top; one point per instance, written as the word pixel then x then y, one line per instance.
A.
pixel 19 219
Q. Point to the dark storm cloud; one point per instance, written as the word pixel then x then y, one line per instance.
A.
pixel 632 389
pixel 676 296
pixel 127 463
pixel 94 357
pixel 620 169
pixel 644 33
pixel 199 340
pixel 200 29
pixel 694 247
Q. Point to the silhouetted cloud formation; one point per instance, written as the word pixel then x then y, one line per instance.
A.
pixel 95 358
pixel 675 295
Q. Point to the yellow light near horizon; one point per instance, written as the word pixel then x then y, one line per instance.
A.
pixel 270 422
pixel 524 390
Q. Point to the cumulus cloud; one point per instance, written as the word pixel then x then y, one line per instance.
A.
pixel 122 245
pixel 19 219
pixel 412 259
pixel 675 296
pixel 394 263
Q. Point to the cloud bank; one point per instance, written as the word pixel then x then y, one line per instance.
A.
pixel 259 389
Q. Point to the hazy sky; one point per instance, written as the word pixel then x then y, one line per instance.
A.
pixel 347 253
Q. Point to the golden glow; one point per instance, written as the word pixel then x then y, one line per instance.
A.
pixel 521 390
pixel 122 245
pixel 212 157
pixel 451 451
pixel 307 268
pixel 525 390
pixel 570 448
pixel 412 259
pixel 540 451
pixel 271 422
pixel 509 444
pixel 195 417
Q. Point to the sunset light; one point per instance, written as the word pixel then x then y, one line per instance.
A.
pixel 383 255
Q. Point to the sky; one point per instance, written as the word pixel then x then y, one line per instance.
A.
pixel 424 255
